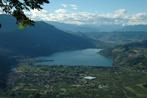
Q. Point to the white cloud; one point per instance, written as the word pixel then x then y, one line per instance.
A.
pixel 119 16
pixel 70 6
pixel 1 12
pixel 73 6
pixel 38 15
pixel 60 11
pixel 66 15
pixel 141 15
pixel 139 18
pixel 120 13
pixel 64 5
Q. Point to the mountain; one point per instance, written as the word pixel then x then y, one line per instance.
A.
pixel 5 67
pixel 6 63
pixel 85 28
pixel 135 28
pixel 118 37
pixel 73 28
pixel 39 40
pixel 8 23
pixel 114 34
pixel 130 55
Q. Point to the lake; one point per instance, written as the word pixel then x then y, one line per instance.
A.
pixel 84 57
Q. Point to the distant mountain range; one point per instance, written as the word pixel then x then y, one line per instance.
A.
pixel 45 39
pixel 118 37
pixel 135 28
pixel 114 34
pixel 41 39
pixel 97 28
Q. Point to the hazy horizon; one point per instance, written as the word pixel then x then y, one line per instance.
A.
pixel 99 12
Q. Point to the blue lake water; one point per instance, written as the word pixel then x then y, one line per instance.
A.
pixel 85 57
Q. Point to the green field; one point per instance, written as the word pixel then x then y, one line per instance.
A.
pixel 69 82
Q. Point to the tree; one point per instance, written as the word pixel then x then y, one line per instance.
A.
pixel 16 8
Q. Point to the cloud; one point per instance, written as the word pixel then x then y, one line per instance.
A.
pixel 73 6
pixel 139 18
pixel 1 11
pixel 69 6
pixel 64 5
pixel 120 13
pixel 61 11
pixel 119 16
pixel 64 15
pixel 38 15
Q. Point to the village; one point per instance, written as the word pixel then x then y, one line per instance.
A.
pixel 64 81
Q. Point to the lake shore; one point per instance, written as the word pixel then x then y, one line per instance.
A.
pixel 85 57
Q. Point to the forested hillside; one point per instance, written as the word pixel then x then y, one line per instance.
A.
pixel 130 55
pixel 41 39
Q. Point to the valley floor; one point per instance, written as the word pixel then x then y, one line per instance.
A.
pixel 70 82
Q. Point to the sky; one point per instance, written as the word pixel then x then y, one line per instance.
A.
pixel 97 12
pixel 101 6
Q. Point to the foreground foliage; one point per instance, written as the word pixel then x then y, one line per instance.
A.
pixel 17 8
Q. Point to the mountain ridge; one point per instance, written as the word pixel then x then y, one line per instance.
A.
pixel 97 28
pixel 41 39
